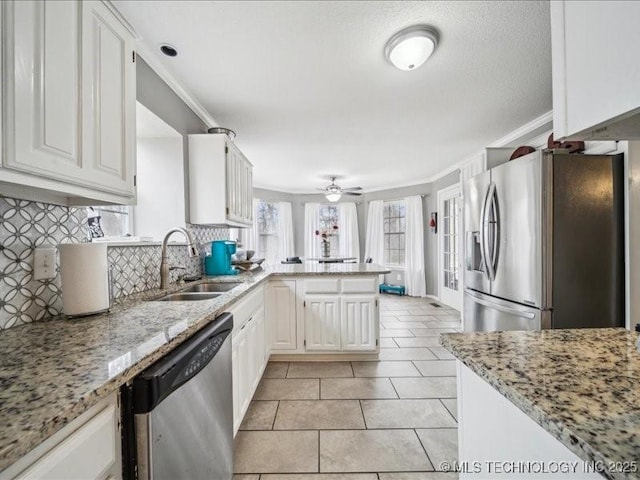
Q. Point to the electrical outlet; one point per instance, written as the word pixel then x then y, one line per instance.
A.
pixel 398 277
pixel 44 263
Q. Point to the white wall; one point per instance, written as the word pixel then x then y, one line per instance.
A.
pixel 161 199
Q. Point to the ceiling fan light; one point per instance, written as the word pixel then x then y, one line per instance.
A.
pixel 411 47
pixel 333 196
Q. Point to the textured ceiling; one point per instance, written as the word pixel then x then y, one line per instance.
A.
pixel 309 93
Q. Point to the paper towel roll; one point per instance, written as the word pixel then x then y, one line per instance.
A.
pixel 84 272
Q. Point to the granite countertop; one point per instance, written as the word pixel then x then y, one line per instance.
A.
pixel 582 386
pixel 53 371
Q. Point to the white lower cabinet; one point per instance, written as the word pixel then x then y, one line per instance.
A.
pixel 248 352
pixel 341 323
pixel 322 322
pixel 281 314
pixel 89 448
pixel 492 431
pixel 359 322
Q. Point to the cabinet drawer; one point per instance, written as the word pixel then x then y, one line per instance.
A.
pixel 322 285
pixel 88 453
pixel 246 307
pixel 360 285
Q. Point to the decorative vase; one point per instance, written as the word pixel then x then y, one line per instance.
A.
pixel 326 248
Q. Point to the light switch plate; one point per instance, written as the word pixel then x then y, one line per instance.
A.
pixel 44 263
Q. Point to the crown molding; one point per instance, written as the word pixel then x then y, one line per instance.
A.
pixel 121 18
pixel 156 65
pixel 534 128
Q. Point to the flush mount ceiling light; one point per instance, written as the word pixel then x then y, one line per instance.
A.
pixel 411 47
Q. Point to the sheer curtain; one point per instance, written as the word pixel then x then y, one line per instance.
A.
pixel 311 224
pixel 374 240
pixel 349 239
pixel 285 231
pixel 414 245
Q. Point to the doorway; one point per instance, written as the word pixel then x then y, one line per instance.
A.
pixel 449 246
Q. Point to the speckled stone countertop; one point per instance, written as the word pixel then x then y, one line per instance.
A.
pixel 582 386
pixel 52 371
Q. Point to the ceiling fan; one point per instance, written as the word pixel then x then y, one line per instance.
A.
pixel 333 192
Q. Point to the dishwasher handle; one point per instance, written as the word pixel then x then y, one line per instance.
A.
pixel 180 365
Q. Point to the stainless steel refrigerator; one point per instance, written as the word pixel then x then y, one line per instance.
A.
pixel 544 243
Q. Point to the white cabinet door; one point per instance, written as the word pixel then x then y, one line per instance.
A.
pixel 253 359
pixel 109 93
pixel 281 314
pixel 240 376
pixel 261 346
pixel 322 322
pixel 91 452
pixel 359 315
pixel 42 82
pixel 595 65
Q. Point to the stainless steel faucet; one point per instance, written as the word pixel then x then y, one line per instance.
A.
pixel 164 264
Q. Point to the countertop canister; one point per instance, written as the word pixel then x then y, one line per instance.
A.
pixel 84 272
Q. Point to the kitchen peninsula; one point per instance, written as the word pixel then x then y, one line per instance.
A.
pixel 547 399
pixel 87 360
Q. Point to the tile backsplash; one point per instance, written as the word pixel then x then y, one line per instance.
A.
pixel 26 225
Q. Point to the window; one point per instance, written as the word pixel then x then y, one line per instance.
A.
pixel 394 230
pixel 113 221
pixel 450 242
pixel 329 218
pixel 267 221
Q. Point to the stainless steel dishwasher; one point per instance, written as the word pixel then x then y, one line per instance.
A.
pixel 183 409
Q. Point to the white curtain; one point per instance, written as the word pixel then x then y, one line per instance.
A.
pixel 414 244
pixel 285 231
pixel 349 240
pixel 311 224
pixel 374 240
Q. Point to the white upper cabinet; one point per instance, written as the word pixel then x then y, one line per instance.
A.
pixel 109 98
pixel 68 100
pixel 220 182
pixel 596 69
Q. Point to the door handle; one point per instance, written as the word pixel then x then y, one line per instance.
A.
pixel 484 232
pixel 501 308
pixel 495 226
pixel 483 249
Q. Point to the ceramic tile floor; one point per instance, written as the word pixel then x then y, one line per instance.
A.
pixel 392 419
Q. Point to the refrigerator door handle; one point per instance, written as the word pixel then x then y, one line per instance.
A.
pixel 502 308
pixel 489 250
pixel 483 241
pixel 495 226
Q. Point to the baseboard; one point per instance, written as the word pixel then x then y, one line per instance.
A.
pixel 323 357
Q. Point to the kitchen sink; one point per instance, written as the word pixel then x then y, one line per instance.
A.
pixel 188 296
pixel 213 287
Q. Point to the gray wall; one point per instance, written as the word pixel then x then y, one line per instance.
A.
pixel 158 97
pixel 427 190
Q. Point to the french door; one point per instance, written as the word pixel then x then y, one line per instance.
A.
pixel 449 246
